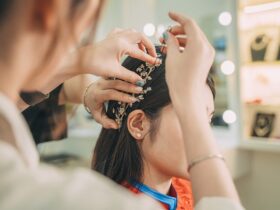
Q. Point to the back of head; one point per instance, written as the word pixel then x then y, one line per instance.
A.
pixel 117 154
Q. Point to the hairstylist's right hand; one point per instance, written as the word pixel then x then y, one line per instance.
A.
pixel 187 70
pixel 104 90
pixel 104 58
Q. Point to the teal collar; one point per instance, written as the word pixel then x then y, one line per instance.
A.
pixel 165 199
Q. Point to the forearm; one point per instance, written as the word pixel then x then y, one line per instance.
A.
pixel 74 89
pixel 210 177
pixel 64 74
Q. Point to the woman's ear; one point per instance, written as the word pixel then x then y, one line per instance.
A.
pixel 138 124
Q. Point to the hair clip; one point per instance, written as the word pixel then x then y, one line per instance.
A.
pixel 144 70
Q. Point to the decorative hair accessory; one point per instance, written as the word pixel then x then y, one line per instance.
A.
pixel 144 70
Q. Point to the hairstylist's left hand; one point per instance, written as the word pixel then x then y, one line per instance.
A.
pixel 187 70
pixel 104 58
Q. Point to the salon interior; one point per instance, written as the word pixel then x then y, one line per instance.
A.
pixel 246 37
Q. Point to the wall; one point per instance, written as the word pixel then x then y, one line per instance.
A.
pixel 136 13
pixel 260 189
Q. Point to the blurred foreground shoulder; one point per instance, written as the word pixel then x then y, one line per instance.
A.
pixel 45 187
pixel 217 203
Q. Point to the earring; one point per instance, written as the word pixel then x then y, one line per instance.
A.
pixel 138 135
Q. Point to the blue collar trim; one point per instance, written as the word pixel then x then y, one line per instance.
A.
pixel 166 199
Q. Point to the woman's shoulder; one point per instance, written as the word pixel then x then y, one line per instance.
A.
pixel 184 193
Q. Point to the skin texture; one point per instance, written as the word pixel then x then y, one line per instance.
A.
pixel 185 88
pixel 89 59
pixel 163 151
pixel 54 64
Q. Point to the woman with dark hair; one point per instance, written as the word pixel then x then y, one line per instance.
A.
pixel 146 154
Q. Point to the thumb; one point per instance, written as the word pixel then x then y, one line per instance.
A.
pixel 173 46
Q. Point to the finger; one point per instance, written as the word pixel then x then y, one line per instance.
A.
pixel 99 116
pixel 122 86
pixel 139 54
pixel 127 75
pixel 189 25
pixel 136 37
pixel 108 123
pixel 182 41
pixel 181 19
pixel 96 114
pixel 173 47
pixel 148 44
pixel 178 35
pixel 177 30
pixel 142 47
pixel 114 95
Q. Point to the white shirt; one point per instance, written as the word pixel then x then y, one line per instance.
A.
pixel 27 184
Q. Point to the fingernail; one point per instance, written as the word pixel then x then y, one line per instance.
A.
pixel 139 89
pixel 133 100
pixel 140 83
pixel 165 36
pixel 159 61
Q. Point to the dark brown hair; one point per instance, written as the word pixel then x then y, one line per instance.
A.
pixel 117 154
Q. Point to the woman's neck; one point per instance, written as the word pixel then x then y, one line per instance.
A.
pixel 156 180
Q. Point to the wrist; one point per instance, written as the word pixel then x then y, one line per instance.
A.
pixel 186 105
pixel 85 60
pixel 85 98
pixel 73 64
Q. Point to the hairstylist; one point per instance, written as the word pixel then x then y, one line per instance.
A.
pixel 187 71
pixel 34 37
pixel 47 117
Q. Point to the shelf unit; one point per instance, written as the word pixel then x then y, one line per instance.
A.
pixel 259 81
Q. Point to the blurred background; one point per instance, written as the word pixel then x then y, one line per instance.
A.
pixel 246 37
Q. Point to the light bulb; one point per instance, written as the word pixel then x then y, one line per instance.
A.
pixel 149 29
pixel 227 67
pixel 225 18
pixel 229 116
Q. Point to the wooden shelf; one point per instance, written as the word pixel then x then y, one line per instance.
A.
pixel 261 144
pixel 262 104
pixel 261 64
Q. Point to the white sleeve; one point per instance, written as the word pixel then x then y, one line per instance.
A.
pixel 217 203
pixel 47 188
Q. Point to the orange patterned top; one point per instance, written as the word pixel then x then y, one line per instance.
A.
pixel 180 193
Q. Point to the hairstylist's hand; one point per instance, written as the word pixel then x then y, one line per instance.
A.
pixel 104 90
pixel 187 70
pixel 104 58
pixel 179 35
